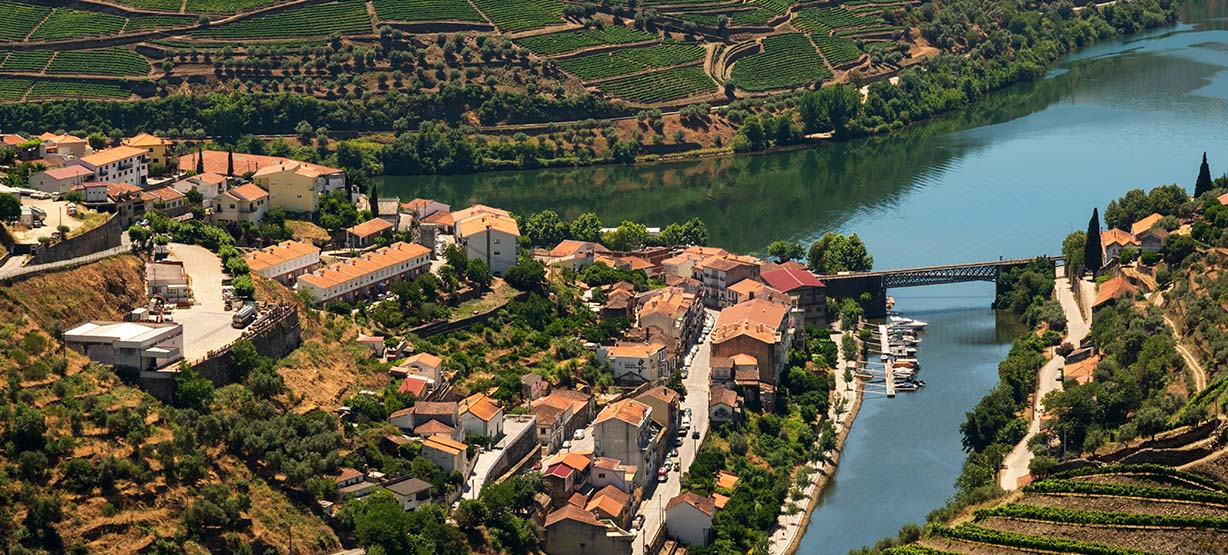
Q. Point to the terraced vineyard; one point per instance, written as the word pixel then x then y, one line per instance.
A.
pixel 19 19
pixel 26 60
pixel 1107 510
pixel 343 16
pixel 158 22
pixel 426 10
pixel 631 60
pixel 43 90
pixel 13 89
pixel 837 50
pixel 838 17
pixel 168 5
pixel 786 61
pixel 519 15
pixel 661 86
pixel 104 61
pixel 570 41
pixel 228 6
pixel 67 24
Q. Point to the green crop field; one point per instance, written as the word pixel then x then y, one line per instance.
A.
pixel 168 5
pixel 631 60
pixel 570 41
pixel 26 60
pixel 868 29
pixel 426 10
pixel 837 17
pixel 344 16
pixel 227 6
pixel 43 90
pixel 786 61
pixel 13 89
pixel 837 50
pixel 19 19
pixel 518 15
pixel 67 24
pixel 104 61
pixel 158 22
pixel 670 84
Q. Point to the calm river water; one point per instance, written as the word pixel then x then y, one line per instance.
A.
pixel 1009 177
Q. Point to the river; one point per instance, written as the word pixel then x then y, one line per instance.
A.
pixel 1010 176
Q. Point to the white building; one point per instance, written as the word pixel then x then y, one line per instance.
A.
pixel 688 518
pixel 139 345
pixel 370 273
pixel 481 415
pixel 122 164
pixel 245 203
pixel 490 237
pixel 210 185
pixel 642 362
pixel 285 261
pixel 61 180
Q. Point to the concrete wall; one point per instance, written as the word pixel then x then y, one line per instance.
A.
pixel 515 447
pixel 98 239
pixel 274 336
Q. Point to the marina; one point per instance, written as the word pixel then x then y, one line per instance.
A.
pixel 890 364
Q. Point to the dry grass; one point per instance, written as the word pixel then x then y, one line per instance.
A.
pixel 307 231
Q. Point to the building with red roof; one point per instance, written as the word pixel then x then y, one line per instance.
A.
pixel 807 291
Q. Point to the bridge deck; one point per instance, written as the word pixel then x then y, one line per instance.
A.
pixel 929 269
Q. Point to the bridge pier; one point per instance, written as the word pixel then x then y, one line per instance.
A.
pixel 855 287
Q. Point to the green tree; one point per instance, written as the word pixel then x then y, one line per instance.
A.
pixel 838 106
pixel 1203 184
pixel 379 521
pixel 192 390
pixel 1093 258
pixel 1176 248
pixel 10 207
pixel 545 228
pixel 586 227
pixel 529 275
pixel 244 288
pixel 786 250
pixel 628 236
pixel 1072 248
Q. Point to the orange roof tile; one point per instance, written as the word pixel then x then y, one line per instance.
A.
pixel 415 385
pixel 719 500
pixel 635 350
pixel 704 504
pixel 445 444
pixel 370 227
pixel 477 210
pixel 166 193
pixel 1145 224
pixel 439 218
pixel 572 512
pixel 627 410
pixel 610 500
pixel 433 427
pixel 661 393
pixel 472 226
pixel 726 480
pixel 570 247
pixel 215 161
pixel 759 311
pixel 366 264
pixel 112 155
pixel 248 192
pixel 146 140
pixel 1082 371
pixel 424 359
pixel 347 474
pixel 481 406
pixel 282 252
pixel 722 396
pixel 1117 236
pixel 1116 287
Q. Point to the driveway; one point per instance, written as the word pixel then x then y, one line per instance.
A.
pixel 1015 466
pixel 206 325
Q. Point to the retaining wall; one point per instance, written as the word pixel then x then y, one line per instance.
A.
pixel 101 238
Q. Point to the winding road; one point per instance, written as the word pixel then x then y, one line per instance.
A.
pixel 1015 466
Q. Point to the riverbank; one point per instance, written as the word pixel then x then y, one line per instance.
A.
pixel 787 535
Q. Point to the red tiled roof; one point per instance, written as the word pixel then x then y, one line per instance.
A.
pixel 1114 288
pixel 788 279
pixel 415 385
pixel 370 227
pixel 248 192
pixel 628 410
pixel 215 161
pixel 704 504
pixel 571 512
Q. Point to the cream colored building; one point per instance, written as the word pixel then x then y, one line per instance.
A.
pixel 155 148
pixel 122 164
pixel 490 237
pixel 296 186
pixel 284 261
pixel 373 272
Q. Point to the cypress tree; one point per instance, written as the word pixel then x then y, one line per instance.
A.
pixel 200 160
pixel 1204 183
pixel 230 163
pixel 1093 259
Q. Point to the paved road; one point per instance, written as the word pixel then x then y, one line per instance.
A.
pixel 1015 466
pixel 789 526
pixel 697 384
pixel 206 325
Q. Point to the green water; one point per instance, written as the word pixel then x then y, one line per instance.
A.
pixel 1009 177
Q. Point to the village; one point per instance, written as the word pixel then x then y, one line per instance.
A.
pixel 710 337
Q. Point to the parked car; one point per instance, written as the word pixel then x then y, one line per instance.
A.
pixel 686 412
pixel 695 434
pixel 663 470
pixel 578 435
pixel 662 478
pixel 637 522
pixel 567 445
pixel 667 466
pixel 673 453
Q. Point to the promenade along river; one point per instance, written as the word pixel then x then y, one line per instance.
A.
pixel 1009 177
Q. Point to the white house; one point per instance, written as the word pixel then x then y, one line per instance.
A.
pixel 61 180
pixel 284 261
pixel 491 238
pixel 643 362
pixel 410 492
pixel 140 345
pixel 122 164
pixel 688 518
pixel 481 415
pixel 210 185
pixel 245 203
pixel 446 453
pixel 362 276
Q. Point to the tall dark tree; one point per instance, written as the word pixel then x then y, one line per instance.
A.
pixel 1093 259
pixel 1204 183
pixel 200 160
pixel 230 162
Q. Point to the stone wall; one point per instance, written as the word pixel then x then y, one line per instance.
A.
pixel 275 336
pixel 99 239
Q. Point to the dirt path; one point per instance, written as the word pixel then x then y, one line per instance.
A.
pixel 1191 361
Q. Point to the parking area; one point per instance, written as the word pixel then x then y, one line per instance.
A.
pixel 206 325
pixel 56 214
